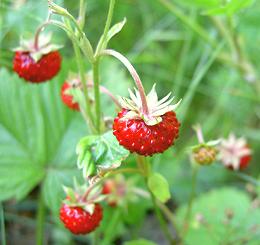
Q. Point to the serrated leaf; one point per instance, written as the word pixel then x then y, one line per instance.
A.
pixel 38 139
pixel 114 154
pixel 103 152
pixel 159 186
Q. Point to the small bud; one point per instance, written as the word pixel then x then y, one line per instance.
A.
pixel 204 154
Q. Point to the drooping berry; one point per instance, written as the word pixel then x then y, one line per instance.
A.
pixel 136 136
pixel 234 153
pixel 146 133
pixel 37 72
pixel 80 221
pixel 37 64
pixel 67 98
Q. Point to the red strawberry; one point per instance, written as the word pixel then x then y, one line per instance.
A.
pixel 36 72
pixel 68 99
pixel 136 136
pixel 37 60
pixel 146 125
pixel 78 220
pixel 234 153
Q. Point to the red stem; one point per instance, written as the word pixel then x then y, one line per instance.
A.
pixel 39 30
pixel 199 133
pixel 107 92
pixel 133 73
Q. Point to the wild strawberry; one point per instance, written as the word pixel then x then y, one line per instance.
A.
pixel 234 153
pixel 67 98
pixel 146 133
pixel 37 64
pixel 80 221
pixel 80 211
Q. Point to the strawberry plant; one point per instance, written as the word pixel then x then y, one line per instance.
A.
pixel 87 156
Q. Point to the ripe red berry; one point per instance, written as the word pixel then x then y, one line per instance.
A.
pixel 78 220
pixel 68 99
pixel 136 136
pixel 36 72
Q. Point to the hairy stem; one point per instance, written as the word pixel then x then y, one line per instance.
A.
pixel 95 68
pixel 83 82
pixel 107 26
pixel 104 90
pixel 40 219
pixel 134 74
pixel 198 130
pixel 115 172
pixel 145 169
pixel 39 30
pixel 82 13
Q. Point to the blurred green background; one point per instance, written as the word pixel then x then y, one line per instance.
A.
pixel 202 52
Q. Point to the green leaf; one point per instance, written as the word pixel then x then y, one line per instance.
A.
pixel 113 155
pixel 102 152
pixel 159 187
pixel 115 29
pixel 102 44
pixel 213 208
pixel 38 139
pixel 140 242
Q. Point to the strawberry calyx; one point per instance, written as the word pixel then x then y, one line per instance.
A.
pixel 156 108
pixel 43 47
pixel 77 197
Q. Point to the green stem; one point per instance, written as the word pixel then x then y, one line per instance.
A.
pixel 107 26
pixel 169 215
pixel 83 82
pixel 161 219
pixel 191 199
pixel 95 67
pixel 144 167
pixel 82 13
pixel 40 219
pixel 2 225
